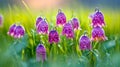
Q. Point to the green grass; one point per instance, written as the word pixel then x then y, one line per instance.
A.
pixel 21 52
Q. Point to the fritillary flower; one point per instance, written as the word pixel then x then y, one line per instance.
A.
pixel 75 23
pixel 98 34
pixel 12 29
pixel 19 31
pixel 38 20
pixel 97 18
pixel 41 53
pixel 42 27
pixel 61 18
pixel 16 31
pixel 85 43
pixel 1 20
pixel 68 30
pixel 53 36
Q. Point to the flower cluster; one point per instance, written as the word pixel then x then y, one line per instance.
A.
pixel 68 29
pixel 97 24
pixel 16 31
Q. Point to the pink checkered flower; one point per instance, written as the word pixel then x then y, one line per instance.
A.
pixel 38 20
pixel 12 29
pixel 42 27
pixel 53 36
pixel 68 30
pixel 19 31
pixel 75 23
pixel 85 43
pixel 41 53
pixel 98 34
pixel 97 18
pixel 16 31
pixel 61 18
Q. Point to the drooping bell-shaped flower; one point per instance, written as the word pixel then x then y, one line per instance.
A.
pixel 97 18
pixel 61 18
pixel 53 36
pixel 85 43
pixel 19 31
pixel 16 31
pixel 98 34
pixel 11 30
pixel 38 20
pixel 42 27
pixel 1 20
pixel 75 23
pixel 41 53
pixel 68 30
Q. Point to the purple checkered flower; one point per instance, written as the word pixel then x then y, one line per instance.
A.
pixel 68 30
pixel 53 36
pixel 75 23
pixel 41 53
pixel 42 27
pixel 16 31
pixel 61 18
pixel 19 31
pixel 98 34
pixel 85 43
pixel 97 18
pixel 1 20
pixel 11 30
pixel 38 20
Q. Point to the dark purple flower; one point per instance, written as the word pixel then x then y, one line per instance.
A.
pixel 41 53
pixel 85 43
pixel 75 23
pixel 53 36
pixel 97 19
pixel 68 30
pixel 11 30
pixel 19 31
pixel 42 27
pixel 38 20
pixel 61 18
pixel 98 34
pixel 1 20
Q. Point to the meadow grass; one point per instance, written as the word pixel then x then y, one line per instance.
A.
pixel 21 52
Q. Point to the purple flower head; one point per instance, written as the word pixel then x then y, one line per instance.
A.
pixel 19 31
pixel 16 31
pixel 68 30
pixel 75 23
pixel 42 27
pixel 98 34
pixel 1 20
pixel 61 18
pixel 38 20
pixel 85 43
pixel 97 19
pixel 11 30
pixel 40 53
pixel 53 36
